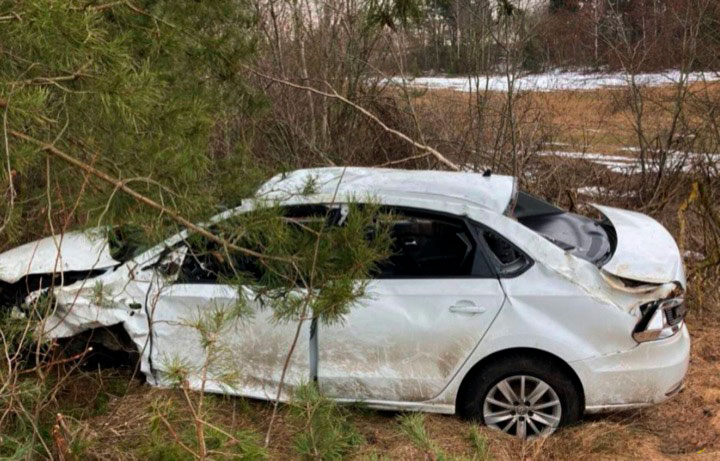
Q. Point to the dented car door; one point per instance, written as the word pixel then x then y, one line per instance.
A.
pixel 422 317
pixel 247 356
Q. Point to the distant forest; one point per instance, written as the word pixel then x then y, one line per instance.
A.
pixel 468 36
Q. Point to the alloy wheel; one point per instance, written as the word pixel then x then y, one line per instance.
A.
pixel 523 406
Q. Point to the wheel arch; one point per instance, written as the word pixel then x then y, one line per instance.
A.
pixel 510 353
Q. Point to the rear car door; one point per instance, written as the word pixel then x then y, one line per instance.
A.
pixel 422 316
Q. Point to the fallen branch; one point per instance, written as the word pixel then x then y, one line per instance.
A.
pixel 334 95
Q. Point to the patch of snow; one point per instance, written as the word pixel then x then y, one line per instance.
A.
pixel 585 156
pixel 630 165
pixel 597 191
pixel 554 81
pixel 697 256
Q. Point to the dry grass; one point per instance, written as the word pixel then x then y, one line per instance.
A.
pixel 593 120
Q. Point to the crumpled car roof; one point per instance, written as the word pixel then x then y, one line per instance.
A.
pixel 493 192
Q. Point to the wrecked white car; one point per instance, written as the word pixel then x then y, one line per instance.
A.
pixel 495 305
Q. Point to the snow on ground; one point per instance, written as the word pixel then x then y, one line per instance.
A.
pixel 630 165
pixel 597 191
pixel 553 81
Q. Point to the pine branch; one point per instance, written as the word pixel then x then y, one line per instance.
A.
pixel 120 185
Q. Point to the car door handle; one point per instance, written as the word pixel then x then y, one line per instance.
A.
pixel 466 307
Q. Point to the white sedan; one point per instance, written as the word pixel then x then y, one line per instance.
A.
pixel 495 305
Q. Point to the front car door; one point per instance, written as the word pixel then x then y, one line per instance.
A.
pixel 247 356
pixel 421 318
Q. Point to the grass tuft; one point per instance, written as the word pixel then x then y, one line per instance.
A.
pixel 325 430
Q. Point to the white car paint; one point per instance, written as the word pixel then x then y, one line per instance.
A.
pixel 645 249
pixel 407 338
pixel 403 347
pixel 490 192
pixel 73 251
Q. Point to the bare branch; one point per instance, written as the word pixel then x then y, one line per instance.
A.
pixel 334 95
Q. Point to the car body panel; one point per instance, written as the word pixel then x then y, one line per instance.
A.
pixel 645 250
pixel 247 358
pixel 69 252
pixel 407 338
pixel 645 375
pixel 493 192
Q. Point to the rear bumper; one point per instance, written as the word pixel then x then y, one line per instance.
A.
pixel 648 374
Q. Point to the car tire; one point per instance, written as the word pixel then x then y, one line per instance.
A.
pixel 486 396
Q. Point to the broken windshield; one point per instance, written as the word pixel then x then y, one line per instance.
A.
pixel 583 237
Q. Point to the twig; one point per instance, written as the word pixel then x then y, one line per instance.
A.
pixel 59 433
pixel 406 159
pixel 58 362
pixel 176 437
pixel 334 95
pixel 11 185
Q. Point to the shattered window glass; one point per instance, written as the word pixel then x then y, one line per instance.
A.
pixel 507 259
pixel 208 262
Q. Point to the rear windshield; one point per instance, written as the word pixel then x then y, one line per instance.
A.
pixel 579 235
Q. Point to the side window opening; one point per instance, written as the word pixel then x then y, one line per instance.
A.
pixel 507 259
pixel 207 262
pixel 429 246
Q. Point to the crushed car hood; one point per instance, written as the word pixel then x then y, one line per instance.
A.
pixel 73 251
pixel 645 251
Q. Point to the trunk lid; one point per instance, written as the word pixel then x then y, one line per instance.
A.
pixel 645 251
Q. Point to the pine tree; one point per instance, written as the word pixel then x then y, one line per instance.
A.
pixel 141 90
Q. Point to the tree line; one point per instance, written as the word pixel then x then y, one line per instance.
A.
pixel 466 36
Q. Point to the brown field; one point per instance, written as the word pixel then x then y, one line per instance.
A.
pixel 594 120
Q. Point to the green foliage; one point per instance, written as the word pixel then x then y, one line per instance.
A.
pixel 221 442
pixel 309 264
pixel 141 90
pixel 413 426
pixel 506 8
pixel 177 369
pixel 325 429
pixel 18 435
pixel 479 443
pixel 18 334
pixel 164 450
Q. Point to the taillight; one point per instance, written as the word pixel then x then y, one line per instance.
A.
pixel 660 319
